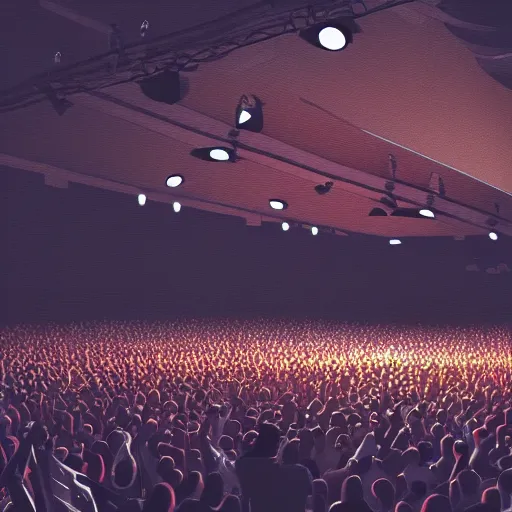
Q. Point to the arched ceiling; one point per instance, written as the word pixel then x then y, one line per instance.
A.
pixel 406 87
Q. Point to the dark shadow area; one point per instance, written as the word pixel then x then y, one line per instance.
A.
pixel 87 254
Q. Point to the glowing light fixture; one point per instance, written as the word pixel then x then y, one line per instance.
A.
pixel 176 207
pixel 332 36
pixel 285 226
pixel 278 204
pixel 395 241
pixel 141 199
pixel 215 154
pixel 493 236
pixel 426 212
pixel 249 114
pixel 244 117
pixel 314 231
pixel 174 181
pixel 219 154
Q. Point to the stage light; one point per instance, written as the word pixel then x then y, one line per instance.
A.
pixel 426 212
pixel 278 204
pixel 493 236
pixel 314 231
pixel 164 87
pixel 395 241
pixel 324 188
pixel 249 114
pixel 142 199
pixel 219 154
pixel 176 207
pixel 331 36
pixel 215 154
pixel 285 226
pixel 174 181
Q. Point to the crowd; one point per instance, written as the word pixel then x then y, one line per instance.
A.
pixel 259 416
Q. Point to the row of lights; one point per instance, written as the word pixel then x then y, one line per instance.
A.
pixel 329 36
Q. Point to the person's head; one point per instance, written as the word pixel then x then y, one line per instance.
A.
pixel 161 499
pixel 505 487
pixel 411 457
pixel 492 498
pixel 352 489
pixel 230 503
pixel 403 506
pixel 267 442
pixel 436 503
pixel 384 492
pixel 213 490
pixel 291 452
pixel 469 482
pixel 319 439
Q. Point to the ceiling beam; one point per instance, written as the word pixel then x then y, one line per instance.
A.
pixel 59 177
pixel 195 129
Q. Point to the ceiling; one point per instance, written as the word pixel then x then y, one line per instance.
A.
pixel 406 87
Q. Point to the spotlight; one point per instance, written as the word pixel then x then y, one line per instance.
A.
pixel 395 241
pixel 174 181
pixel 493 236
pixel 249 114
pixel 215 154
pixel 314 231
pixel 176 207
pixel 324 188
pixel 278 204
pixel 285 226
pixel 142 199
pixel 426 212
pixel 332 36
pixel 163 87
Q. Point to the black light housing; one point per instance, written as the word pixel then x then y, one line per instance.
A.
pixel 324 188
pixel 249 114
pixel 164 87
pixel 215 154
pixel 333 35
pixel 378 212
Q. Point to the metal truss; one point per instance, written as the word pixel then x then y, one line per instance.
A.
pixel 184 50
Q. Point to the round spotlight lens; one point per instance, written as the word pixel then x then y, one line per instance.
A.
pixel 285 226
pixel 244 117
pixel 219 154
pixel 277 204
pixel 332 38
pixel 314 231
pixel 493 236
pixel 395 241
pixel 174 181
pixel 142 199
pixel 425 212
pixel 176 207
